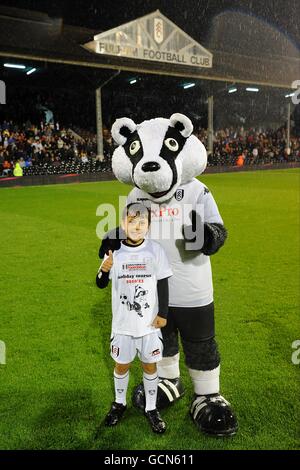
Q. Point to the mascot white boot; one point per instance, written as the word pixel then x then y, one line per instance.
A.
pixel 161 159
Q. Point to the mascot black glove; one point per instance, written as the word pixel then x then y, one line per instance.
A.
pixel 214 237
pixel 111 241
pixel 204 236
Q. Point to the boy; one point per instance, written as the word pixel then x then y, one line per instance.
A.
pixel 139 271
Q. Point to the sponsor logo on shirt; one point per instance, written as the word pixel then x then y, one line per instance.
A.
pixel 165 212
pixel 134 267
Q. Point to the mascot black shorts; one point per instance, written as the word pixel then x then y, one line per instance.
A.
pixel 196 327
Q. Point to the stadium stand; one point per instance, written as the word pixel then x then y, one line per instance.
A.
pixel 49 150
pixel 249 147
pixel 55 150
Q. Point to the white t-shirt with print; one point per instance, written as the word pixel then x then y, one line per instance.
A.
pixel 134 276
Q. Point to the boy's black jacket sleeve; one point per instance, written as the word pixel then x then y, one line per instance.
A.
pixel 103 280
pixel 163 297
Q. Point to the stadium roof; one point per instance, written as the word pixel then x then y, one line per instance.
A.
pixel 36 36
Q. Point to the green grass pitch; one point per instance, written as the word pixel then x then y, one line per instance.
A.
pixel 56 385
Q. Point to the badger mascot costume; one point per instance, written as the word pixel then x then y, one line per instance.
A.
pixel 161 158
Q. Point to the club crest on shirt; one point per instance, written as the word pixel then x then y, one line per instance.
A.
pixel 115 351
pixel 155 352
pixel 179 194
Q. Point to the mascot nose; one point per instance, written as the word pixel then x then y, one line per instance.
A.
pixel 151 166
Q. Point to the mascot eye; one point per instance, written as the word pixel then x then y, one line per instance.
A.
pixel 134 147
pixel 172 144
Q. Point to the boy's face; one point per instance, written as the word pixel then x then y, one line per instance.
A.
pixel 135 227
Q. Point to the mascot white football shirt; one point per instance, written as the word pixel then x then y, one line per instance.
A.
pixel 192 277
pixel 134 276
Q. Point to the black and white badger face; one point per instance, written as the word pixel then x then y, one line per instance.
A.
pixel 157 155
pixel 139 293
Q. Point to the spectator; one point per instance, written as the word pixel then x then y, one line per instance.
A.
pixel 6 167
pixel 240 160
pixel 84 158
pixel 22 163
pixel 18 170
pixel 49 149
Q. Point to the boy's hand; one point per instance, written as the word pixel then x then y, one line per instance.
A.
pixel 107 264
pixel 159 322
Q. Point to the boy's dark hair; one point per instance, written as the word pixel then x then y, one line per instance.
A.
pixel 136 209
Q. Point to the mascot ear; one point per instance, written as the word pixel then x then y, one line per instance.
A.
pixel 121 130
pixel 182 123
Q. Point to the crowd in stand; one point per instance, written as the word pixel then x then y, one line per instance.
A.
pixel 48 149
pixel 248 147
pixel 52 149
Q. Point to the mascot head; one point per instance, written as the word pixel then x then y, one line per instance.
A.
pixel 157 155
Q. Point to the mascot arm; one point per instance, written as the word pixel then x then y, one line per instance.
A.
pixel 102 279
pixel 111 241
pixel 215 233
pixel 207 237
